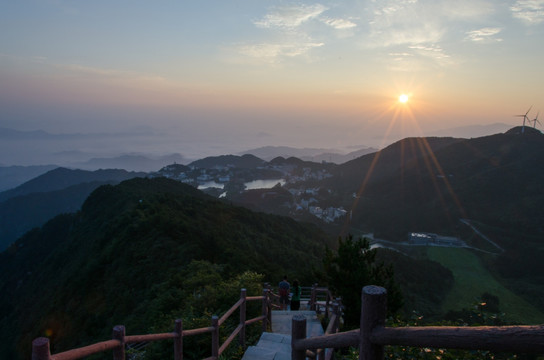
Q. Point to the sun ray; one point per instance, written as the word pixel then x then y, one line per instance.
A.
pixel 401 112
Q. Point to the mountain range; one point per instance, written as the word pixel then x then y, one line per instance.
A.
pixel 118 256
pixel 269 153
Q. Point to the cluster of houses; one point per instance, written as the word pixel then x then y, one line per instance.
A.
pixel 329 214
pixel 305 199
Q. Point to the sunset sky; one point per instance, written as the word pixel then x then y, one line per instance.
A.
pixel 247 73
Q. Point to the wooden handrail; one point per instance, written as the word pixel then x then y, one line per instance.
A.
pixel 41 350
pixel 373 335
pixel 338 340
pixel 254 320
pixel 527 339
pixel 230 338
pixel 197 331
pixel 230 311
pixel 86 350
pixel 149 337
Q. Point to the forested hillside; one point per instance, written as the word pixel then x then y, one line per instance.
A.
pixel 428 184
pixel 142 253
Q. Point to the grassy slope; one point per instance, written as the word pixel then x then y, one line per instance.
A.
pixel 472 280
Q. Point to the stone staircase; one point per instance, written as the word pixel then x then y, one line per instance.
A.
pixel 270 347
pixel 277 344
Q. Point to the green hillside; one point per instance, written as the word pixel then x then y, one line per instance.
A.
pixel 472 279
pixel 141 254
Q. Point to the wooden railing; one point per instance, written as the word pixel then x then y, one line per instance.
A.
pixel 322 299
pixel 373 335
pixel 41 350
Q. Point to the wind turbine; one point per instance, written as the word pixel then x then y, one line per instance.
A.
pixel 525 117
pixel 535 120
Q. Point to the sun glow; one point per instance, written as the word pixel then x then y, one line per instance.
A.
pixel 403 98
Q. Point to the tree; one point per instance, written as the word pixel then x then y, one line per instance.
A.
pixel 354 266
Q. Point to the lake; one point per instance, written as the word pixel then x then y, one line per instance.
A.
pixel 251 185
pixel 210 184
pixel 263 184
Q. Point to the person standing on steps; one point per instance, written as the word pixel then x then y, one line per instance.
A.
pixel 283 289
pixel 295 299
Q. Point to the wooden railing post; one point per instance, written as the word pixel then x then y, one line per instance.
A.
pixel 336 311
pixel 40 349
pixel 267 313
pixel 178 340
pixel 298 331
pixel 242 334
pixel 373 307
pixel 215 337
pixel 119 334
pixel 313 297
pixel 327 305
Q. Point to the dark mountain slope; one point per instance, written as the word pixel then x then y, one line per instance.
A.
pixel 498 179
pixel 13 176
pixel 422 184
pixel 293 161
pixel 83 273
pixel 246 161
pixel 55 192
pixel 22 213
pixel 61 178
pixel 387 162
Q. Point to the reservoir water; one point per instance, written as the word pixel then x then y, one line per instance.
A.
pixel 251 185
pixel 263 184
pixel 210 184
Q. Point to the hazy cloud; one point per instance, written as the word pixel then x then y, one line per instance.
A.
pixel 417 29
pixel 531 12
pixel 403 22
pixel 435 52
pixel 288 17
pixel 290 37
pixel 339 24
pixel 484 35
pixel 466 10
pixel 273 53
pixel 119 76
pixel 263 134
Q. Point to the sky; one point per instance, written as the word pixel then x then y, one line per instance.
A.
pixel 209 77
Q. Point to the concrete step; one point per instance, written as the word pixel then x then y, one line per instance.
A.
pixel 282 320
pixel 277 345
pixel 270 347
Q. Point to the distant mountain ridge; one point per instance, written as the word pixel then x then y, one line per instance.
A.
pixel 61 178
pixel 269 153
pixel 130 162
pixel 246 161
pixel 471 131
pixel 58 191
pixel 13 176
pixel 88 151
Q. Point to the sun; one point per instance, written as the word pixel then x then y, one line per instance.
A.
pixel 403 98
